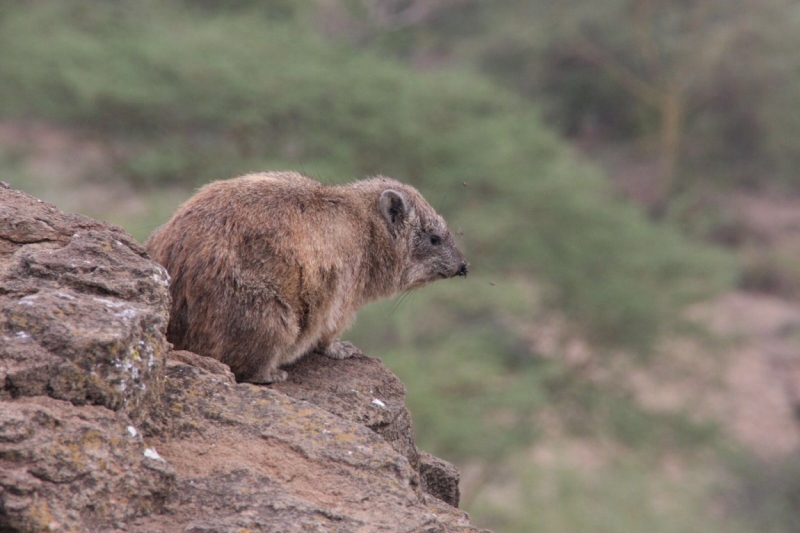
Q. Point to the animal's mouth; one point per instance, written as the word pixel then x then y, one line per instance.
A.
pixel 460 272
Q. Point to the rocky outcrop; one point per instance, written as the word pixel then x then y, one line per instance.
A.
pixel 103 429
pixel 361 390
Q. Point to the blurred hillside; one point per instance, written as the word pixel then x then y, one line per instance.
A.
pixel 544 375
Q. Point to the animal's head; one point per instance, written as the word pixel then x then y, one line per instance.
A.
pixel 429 251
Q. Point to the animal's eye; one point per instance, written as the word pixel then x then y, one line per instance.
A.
pixel 436 240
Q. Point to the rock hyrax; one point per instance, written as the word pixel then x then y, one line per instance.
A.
pixel 268 267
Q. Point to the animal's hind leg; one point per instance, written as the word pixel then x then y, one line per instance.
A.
pixel 259 338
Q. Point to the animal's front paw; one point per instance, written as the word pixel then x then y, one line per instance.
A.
pixel 266 377
pixel 341 350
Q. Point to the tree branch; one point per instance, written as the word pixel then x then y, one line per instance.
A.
pixel 643 32
pixel 628 80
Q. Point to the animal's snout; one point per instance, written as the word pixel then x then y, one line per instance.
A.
pixel 463 269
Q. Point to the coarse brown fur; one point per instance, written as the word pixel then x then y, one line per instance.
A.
pixel 267 267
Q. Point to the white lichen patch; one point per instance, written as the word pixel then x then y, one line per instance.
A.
pixel 145 350
pixel 28 300
pixel 378 403
pixel 128 313
pixel 131 370
pixel 109 303
pixel 365 450
pixel 125 365
pixel 150 453
pixel 162 276
pixel 64 295
pixel 119 309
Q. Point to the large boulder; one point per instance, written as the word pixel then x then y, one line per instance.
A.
pixel 82 310
pixel 102 428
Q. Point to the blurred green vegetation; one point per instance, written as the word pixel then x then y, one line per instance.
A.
pixel 605 499
pixel 620 70
pixel 182 92
pixel 183 97
pixel 464 360
pixel 768 494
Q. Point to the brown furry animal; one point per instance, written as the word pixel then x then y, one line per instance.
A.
pixel 268 267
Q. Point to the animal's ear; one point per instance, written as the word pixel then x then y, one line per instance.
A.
pixel 394 207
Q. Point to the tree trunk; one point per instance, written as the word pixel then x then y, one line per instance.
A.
pixel 672 115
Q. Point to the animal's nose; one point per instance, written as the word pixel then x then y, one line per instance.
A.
pixel 463 269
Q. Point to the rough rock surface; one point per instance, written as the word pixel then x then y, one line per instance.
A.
pixel 361 390
pixel 67 468
pixel 100 431
pixel 82 309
